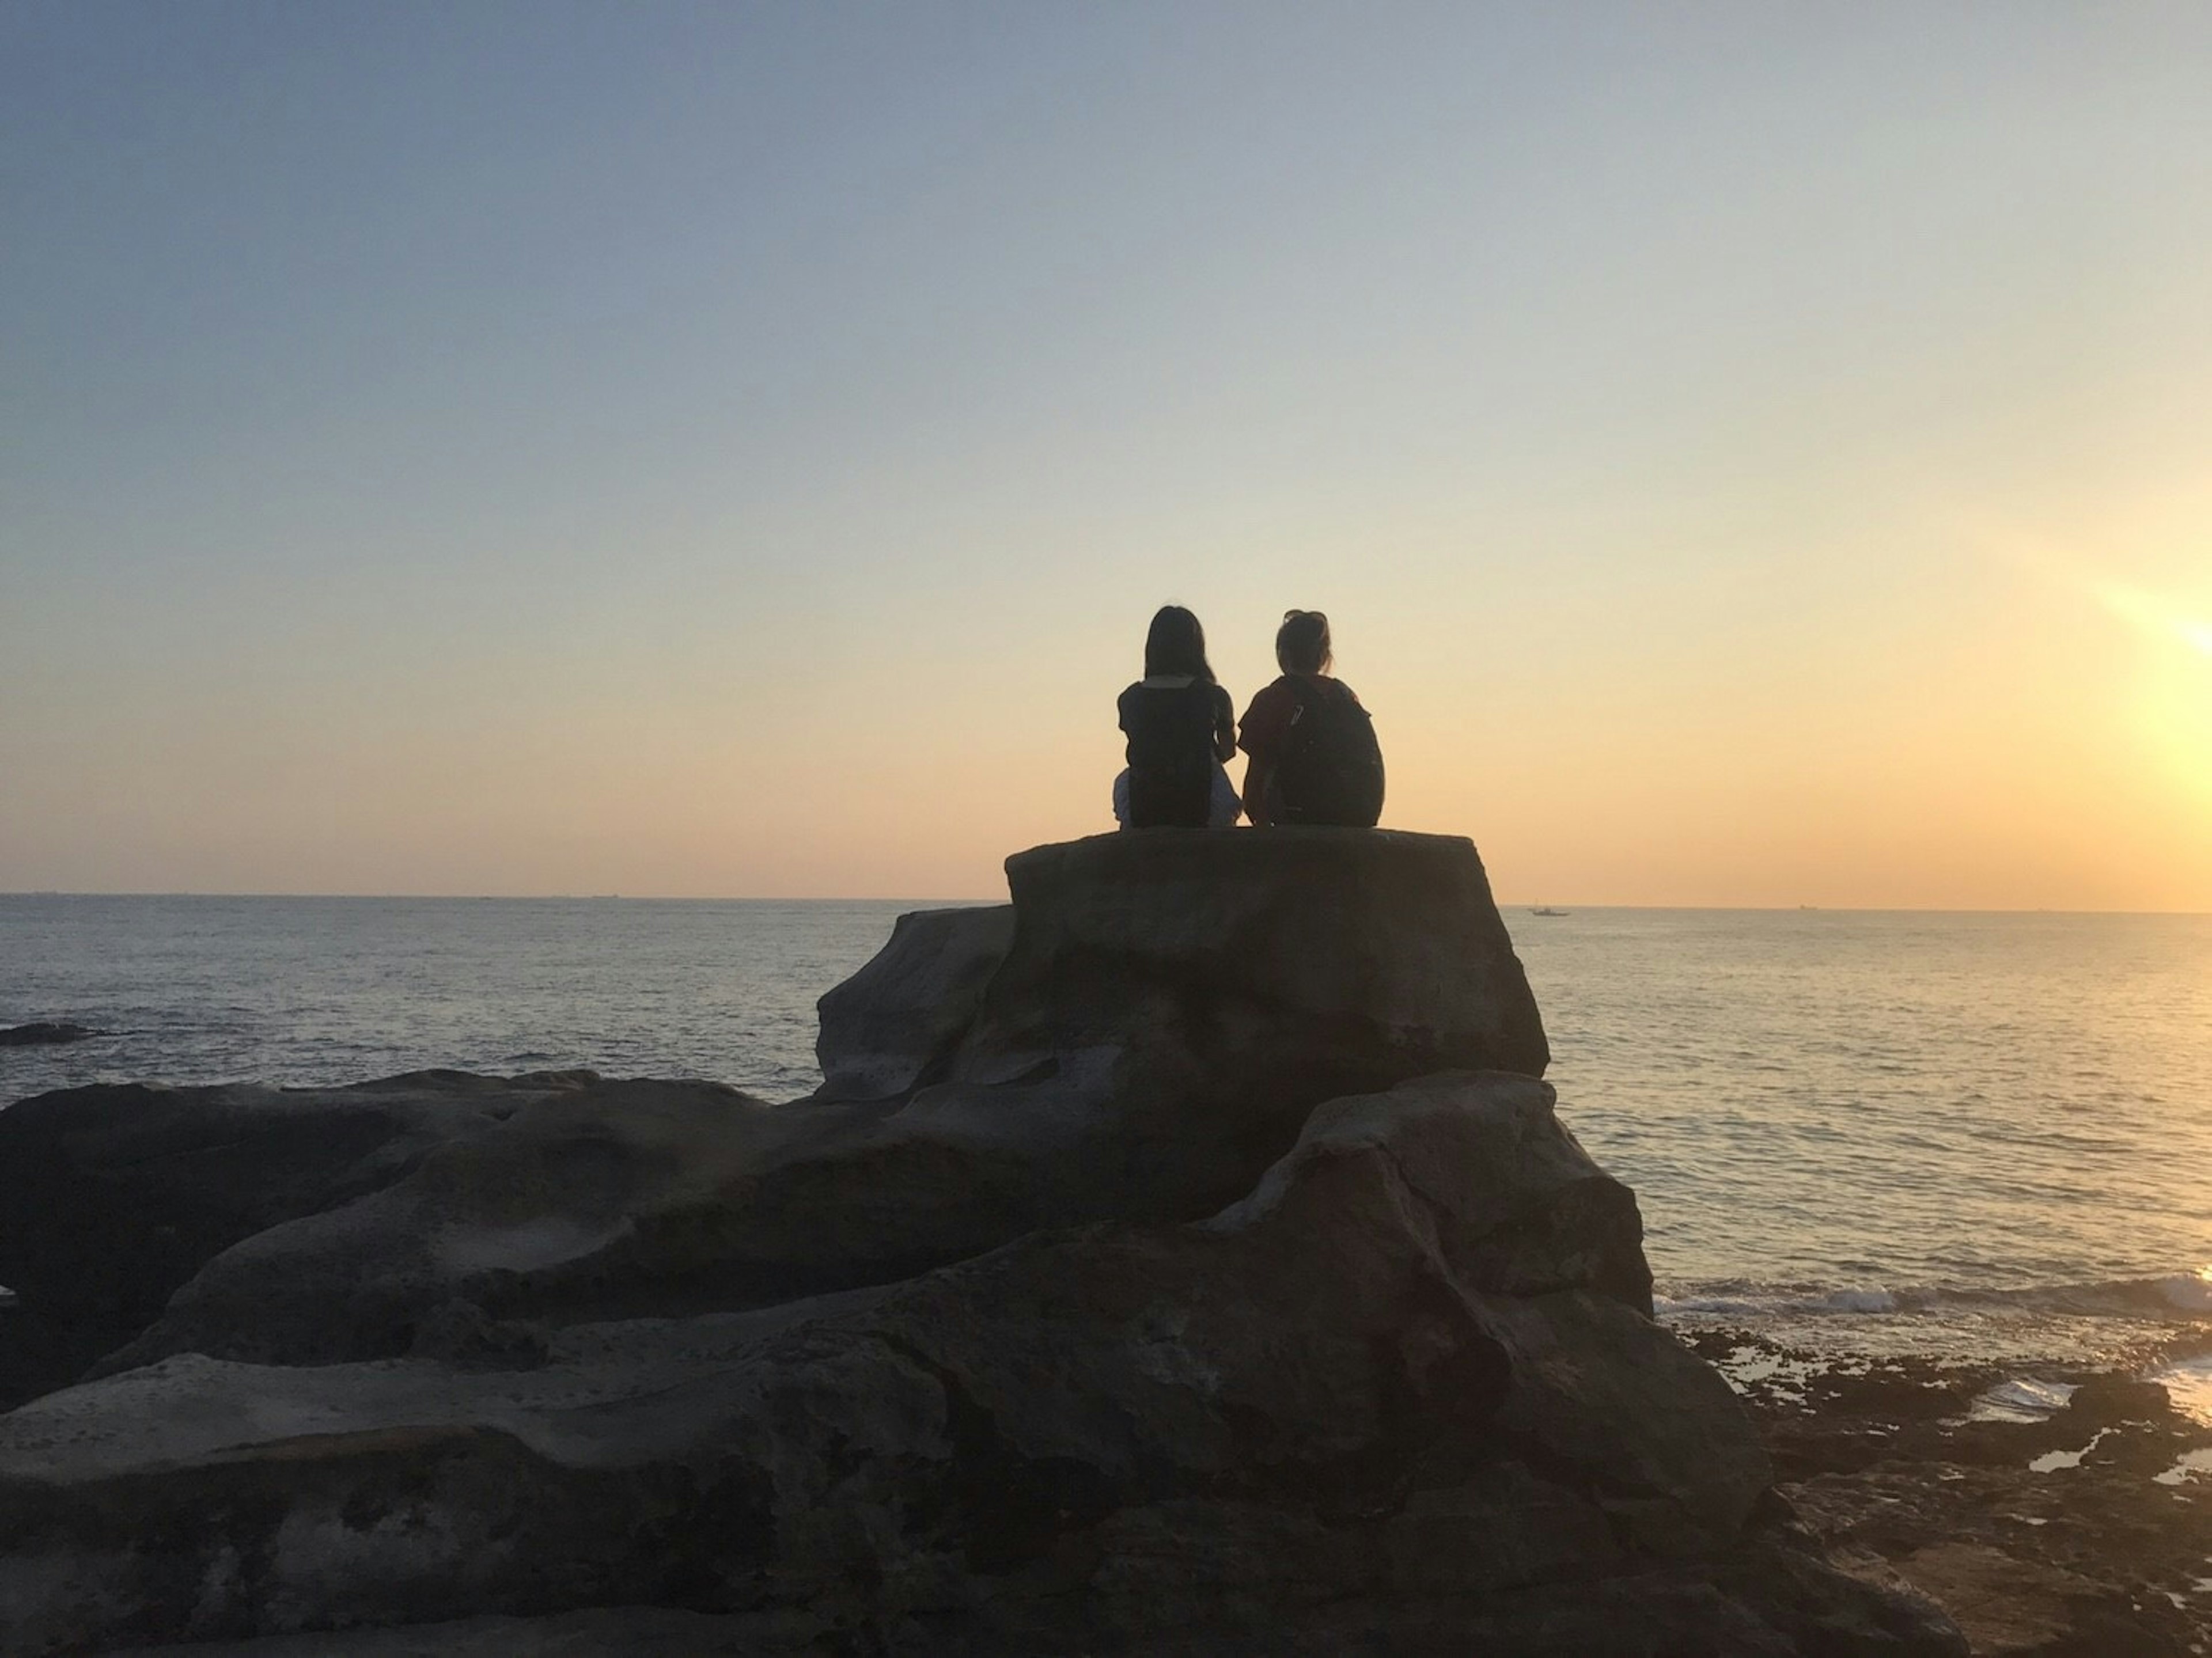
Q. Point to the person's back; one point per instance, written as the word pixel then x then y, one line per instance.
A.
pixel 1179 726
pixel 1314 758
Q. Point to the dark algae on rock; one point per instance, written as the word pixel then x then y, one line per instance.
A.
pixel 44 1033
pixel 1184 1258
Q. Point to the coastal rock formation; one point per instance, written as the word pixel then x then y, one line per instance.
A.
pixel 110 1197
pixel 2080 1524
pixel 1371 1380
pixel 894 1025
pixel 1137 1037
pixel 993 1362
pixel 44 1032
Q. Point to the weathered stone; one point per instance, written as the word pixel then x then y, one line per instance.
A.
pixel 1170 1008
pixel 1301 1421
pixel 544 1207
pixel 1201 1269
pixel 1174 1002
pixel 113 1196
pixel 599 1632
pixel 892 1026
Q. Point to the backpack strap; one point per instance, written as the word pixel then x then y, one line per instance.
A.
pixel 1308 691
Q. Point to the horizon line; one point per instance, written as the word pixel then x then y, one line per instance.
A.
pixel 1503 904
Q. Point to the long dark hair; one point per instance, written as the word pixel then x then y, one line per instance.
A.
pixel 1176 645
pixel 1302 642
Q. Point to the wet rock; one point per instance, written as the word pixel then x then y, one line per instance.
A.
pixel 44 1032
pixel 2075 1533
pixel 2103 1400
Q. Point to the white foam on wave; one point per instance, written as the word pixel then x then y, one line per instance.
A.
pixel 2191 1293
pixel 2022 1399
pixel 2189 1384
pixel 1755 1303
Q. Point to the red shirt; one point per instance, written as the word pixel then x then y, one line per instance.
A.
pixel 1268 721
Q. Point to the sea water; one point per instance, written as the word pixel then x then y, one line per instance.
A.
pixel 1967 1134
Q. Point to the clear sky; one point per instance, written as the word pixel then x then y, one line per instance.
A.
pixel 1751 454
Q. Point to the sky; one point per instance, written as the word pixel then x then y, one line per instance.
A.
pixel 1750 455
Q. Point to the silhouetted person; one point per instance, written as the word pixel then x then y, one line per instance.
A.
pixel 1180 725
pixel 1313 755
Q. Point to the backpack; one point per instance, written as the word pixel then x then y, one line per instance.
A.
pixel 1331 771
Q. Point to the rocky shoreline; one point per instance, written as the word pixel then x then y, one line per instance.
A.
pixel 2078 1522
pixel 1185 1258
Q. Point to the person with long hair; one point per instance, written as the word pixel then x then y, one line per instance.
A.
pixel 1181 727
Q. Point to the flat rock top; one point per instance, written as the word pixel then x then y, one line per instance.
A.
pixel 1245 853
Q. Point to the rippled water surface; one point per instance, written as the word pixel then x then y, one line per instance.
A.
pixel 1847 1098
pixel 1951 1118
pixel 335 990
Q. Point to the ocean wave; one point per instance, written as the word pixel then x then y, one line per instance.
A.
pixel 2181 1296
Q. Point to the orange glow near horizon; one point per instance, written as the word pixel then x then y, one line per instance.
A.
pixel 1751 456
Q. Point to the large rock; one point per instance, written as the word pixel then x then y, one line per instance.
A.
pixel 1184 1259
pixel 894 1025
pixel 590 1202
pixel 1138 1037
pixel 45 1032
pixel 1173 1003
pixel 1391 1399
pixel 113 1196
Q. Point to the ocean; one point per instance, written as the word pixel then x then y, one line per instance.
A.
pixel 1961 1135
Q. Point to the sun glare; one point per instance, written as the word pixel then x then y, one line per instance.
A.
pixel 2156 616
pixel 2174 710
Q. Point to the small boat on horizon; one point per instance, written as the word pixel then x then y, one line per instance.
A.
pixel 1545 910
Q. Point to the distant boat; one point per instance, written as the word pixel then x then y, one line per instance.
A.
pixel 1545 910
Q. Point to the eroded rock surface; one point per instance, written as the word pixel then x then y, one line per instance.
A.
pixel 1187 1260
pixel 113 1196
pixel 1337 1391
pixel 893 1026
pixel 1138 1037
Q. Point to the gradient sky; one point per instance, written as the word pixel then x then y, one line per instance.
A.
pixel 1752 454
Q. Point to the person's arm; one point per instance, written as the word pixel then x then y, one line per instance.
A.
pixel 1257 774
pixel 1264 722
pixel 1224 728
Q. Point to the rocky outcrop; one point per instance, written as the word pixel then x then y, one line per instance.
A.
pixel 1196 1265
pixel 1358 1402
pixel 110 1197
pixel 43 1032
pixel 1138 1037
pixel 614 1199
pixel 894 1025
pixel 1173 1004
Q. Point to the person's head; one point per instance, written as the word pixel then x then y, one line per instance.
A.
pixel 1302 642
pixel 1176 644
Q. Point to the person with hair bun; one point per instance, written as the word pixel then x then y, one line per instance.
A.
pixel 1311 748
pixel 1181 726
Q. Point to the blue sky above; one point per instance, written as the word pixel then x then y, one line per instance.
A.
pixel 728 450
